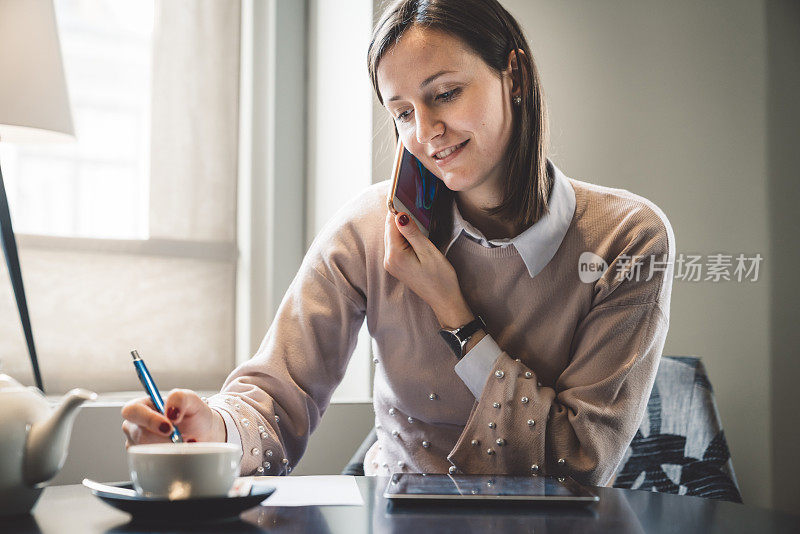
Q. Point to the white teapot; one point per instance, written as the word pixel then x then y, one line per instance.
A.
pixel 33 441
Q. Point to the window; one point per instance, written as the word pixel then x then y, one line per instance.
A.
pixel 136 223
pixel 97 186
pixel 132 237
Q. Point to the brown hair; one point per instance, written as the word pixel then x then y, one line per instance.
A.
pixel 487 29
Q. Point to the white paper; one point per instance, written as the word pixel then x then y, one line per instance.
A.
pixel 317 490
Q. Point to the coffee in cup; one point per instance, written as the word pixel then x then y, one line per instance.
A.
pixel 183 470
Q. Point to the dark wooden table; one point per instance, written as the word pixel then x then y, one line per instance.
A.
pixel 65 509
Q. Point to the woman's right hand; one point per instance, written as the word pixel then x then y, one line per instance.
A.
pixel 195 420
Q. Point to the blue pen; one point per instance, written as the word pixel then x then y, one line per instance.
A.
pixel 152 390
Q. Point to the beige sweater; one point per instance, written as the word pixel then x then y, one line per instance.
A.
pixel 565 395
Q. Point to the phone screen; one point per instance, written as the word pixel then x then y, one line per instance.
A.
pixel 416 188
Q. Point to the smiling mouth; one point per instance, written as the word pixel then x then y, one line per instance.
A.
pixel 447 151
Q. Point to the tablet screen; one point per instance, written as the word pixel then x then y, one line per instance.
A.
pixel 414 485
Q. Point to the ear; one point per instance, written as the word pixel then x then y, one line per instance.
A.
pixel 515 57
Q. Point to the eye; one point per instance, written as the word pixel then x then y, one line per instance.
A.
pixel 448 95
pixel 403 116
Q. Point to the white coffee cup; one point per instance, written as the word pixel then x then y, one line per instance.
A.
pixel 183 470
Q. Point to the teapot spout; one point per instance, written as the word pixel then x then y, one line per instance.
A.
pixel 46 449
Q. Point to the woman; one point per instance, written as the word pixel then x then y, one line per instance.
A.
pixel 556 378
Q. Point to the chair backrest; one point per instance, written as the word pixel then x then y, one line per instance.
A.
pixel 680 446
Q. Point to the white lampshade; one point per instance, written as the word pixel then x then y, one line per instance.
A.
pixel 34 105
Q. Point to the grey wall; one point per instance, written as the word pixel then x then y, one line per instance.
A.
pixel 783 125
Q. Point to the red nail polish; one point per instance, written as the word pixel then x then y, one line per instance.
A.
pixel 164 428
pixel 191 440
pixel 403 220
pixel 172 412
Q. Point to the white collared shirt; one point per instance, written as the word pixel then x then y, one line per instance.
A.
pixel 536 246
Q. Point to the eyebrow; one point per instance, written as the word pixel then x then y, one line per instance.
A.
pixel 427 81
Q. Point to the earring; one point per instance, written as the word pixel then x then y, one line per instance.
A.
pixel 517 100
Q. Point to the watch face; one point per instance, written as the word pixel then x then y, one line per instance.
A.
pixel 452 341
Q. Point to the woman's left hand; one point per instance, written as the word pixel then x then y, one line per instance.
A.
pixel 414 260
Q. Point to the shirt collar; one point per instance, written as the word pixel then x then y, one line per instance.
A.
pixel 538 244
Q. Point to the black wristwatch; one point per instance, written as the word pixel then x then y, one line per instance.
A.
pixel 457 339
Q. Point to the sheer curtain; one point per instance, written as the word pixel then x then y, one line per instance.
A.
pixel 172 295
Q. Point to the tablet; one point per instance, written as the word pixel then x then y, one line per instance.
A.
pixel 420 486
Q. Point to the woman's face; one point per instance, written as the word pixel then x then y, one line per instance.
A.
pixel 443 96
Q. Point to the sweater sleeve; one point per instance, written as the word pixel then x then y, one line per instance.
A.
pixel 277 398
pixel 581 425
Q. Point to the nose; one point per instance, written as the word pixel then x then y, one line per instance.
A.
pixel 428 125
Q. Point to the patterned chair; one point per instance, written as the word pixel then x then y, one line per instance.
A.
pixel 680 446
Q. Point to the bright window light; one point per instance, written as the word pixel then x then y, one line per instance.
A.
pixel 98 186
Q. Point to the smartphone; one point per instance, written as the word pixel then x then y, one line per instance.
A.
pixel 413 190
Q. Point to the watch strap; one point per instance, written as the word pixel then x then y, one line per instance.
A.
pixel 457 339
pixel 467 331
